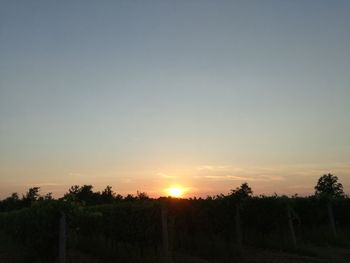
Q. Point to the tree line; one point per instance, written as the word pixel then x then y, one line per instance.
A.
pixel 328 186
pixel 109 225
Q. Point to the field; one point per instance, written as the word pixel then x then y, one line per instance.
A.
pixel 216 229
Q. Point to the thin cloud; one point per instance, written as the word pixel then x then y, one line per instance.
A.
pixel 273 172
pixel 213 167
pixel 166 176
pixel 242 178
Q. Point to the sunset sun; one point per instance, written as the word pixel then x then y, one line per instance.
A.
pixel 175 191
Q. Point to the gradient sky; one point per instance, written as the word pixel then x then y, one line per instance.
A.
pixel 141 95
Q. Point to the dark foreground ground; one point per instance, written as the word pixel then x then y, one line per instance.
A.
pixel 11 253
pixel 269 229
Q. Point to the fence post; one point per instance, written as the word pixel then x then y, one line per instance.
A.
pixel 165 234
pixel 62 239
pixel 331 219
pixel 238 227
pixel 291 227
pixel 171 236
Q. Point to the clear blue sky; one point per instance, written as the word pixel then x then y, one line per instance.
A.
pixel 145 94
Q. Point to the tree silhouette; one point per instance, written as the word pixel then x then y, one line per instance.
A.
pixel 238 196
pixel 130 197
pixel 107 195
pixel 11 203
pixel 328 186
pixel 74 189
pixel 242 192
pixel 31 196
pixel 83 194
pixel 142 195
pixel 47 196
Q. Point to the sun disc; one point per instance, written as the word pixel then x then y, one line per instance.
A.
pixel 175 191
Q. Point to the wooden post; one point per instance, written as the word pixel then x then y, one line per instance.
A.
pixel 238 227
pixel 171 237
pixel 291 227
pixel 331 219
pixel 62 239
pixel 165 234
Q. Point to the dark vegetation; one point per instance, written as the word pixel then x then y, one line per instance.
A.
pixel 238 227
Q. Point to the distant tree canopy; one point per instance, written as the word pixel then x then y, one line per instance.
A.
pixel 107 194
pixel 31 196
pixel 328 186
pixel 142 195
pixel 242 192
pixel 84 194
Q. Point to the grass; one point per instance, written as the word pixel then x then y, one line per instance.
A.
pixel 12 252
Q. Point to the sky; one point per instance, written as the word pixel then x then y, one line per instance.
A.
pixel 143 95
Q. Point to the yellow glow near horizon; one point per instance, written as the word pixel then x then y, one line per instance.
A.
pixel 175 191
